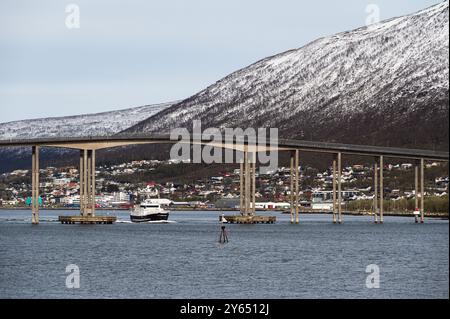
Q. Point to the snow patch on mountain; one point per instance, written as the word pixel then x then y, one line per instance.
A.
pixel 99 124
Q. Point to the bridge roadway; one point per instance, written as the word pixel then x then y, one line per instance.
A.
pixel 88 146
pixel 101 142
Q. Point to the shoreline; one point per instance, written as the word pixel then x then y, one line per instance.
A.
pixel 346 213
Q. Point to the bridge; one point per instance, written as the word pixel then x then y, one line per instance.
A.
pixel 248 148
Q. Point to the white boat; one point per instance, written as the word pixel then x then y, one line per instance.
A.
pixel 222 219
pixel 149 210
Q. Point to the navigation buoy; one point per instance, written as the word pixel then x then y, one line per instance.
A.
pixel 223 235
pixel 416 215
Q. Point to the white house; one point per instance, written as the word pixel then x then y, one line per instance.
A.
pixel 272 205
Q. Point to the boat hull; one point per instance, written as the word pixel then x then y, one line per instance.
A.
pixel 149 217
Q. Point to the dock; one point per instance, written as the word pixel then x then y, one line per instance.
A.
pixel 87 219
pixel 249 219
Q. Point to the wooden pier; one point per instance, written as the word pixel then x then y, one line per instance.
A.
pixel 87 219
pixel 249 219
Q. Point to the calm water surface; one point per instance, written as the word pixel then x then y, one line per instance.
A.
pixel 183 259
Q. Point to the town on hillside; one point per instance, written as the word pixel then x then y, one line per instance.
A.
pixel 124 185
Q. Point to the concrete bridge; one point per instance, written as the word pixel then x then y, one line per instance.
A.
pixel 248 148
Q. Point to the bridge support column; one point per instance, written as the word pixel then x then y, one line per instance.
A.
pixel 81 178
pixel 297 180
pixel 334 189
pixel 422 190
pixel 339 163
pixel 253 189
pixel 291 190
pixel 247 184
pixel 416 190
pixel 85 189
pixel 241 188
pixel 375 191
pixel 381 189
pixel 87 182
pixel 35 186
pixel 92 183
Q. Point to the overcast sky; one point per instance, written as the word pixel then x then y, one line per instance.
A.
pixel 132 53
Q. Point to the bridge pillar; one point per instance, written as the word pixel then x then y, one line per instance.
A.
pixel 253 189
pixel 87 182
pixel 85 189
pixel 241 188
pixel 375 191
pixel 93 180
pixel 422 190
pixel 35 186
pixel 291 190
pixel 416 189
pixel 247 183
pixel 81 178
pixel 381 189
pixel 297 192
pixel 334 189
pixel 339 163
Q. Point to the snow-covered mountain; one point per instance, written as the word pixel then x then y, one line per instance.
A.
pixel 107 123
pixel 387 83
pixel 384 84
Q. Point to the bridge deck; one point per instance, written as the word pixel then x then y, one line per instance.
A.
pixel 98 142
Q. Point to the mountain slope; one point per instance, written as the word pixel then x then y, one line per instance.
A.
pixel 384 84
pixel 107 123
